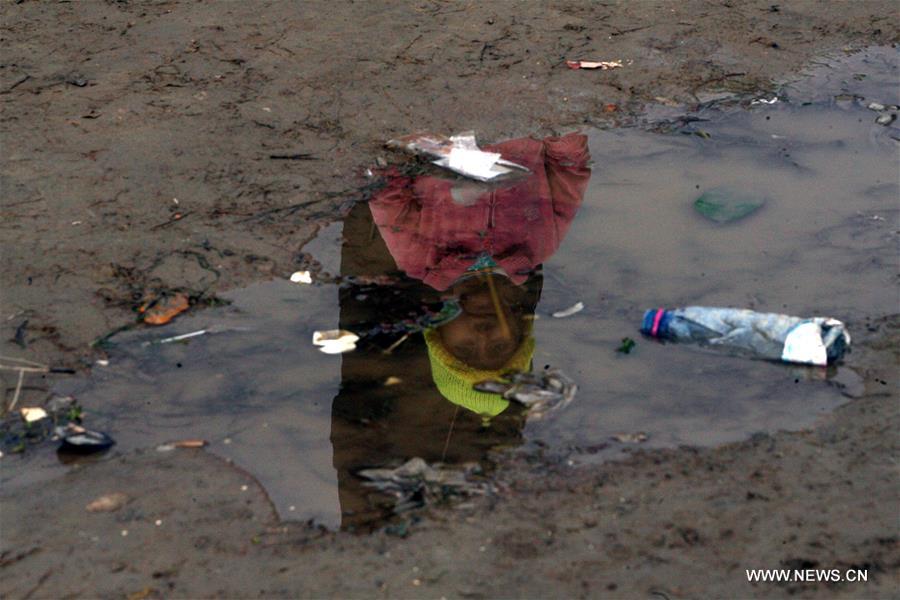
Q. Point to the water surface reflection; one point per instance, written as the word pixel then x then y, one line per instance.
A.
pixel 471 254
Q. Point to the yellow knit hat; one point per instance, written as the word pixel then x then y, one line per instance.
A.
pixel 454 379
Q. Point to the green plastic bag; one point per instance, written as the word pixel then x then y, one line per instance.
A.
pixel 726 205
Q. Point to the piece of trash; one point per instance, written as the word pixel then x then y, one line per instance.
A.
pixel 19 337
pixel 33 414
pixel 392 381
pixel 190 443
pixel 541 393
pixel 107 503
pixel 416 483
pixel 876 106
pixel 335 341
pixel 166 309
pixel 626 346
pixel 631 438
pixel 183 336
pixel 764 101
pixel 610 108
pixel 814 341
pixel 886 119
pixel 102 362
pixel 568 312
pixel 591 64
pixel 725 204
pixel 186 336
pixel 459 153
pixel 76 79
pixel 301 277
pixel 78 440
pixel 294 156
pixel 181 444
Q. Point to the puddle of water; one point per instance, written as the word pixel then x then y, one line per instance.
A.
pixel 304 422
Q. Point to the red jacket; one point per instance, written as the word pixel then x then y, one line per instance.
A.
pixel 435 239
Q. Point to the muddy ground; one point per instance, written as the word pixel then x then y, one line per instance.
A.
pixel 195 146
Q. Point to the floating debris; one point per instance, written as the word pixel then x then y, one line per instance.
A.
pixel 78 440
pixel 876 106
pixel 183 336
pixel 604 65
pixel 811 341
pixel 541 393
pixel 459 153
pixel 335 341
pixel 33 414
pixel 165 309
pixel 193 334
pixel 626 346
pixel 725 205
pixel 568 312
pixel 301 277
pixel 886 119
pixel 416 483
pixel 182 444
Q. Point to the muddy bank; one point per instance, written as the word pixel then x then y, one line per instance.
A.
pixel 120 109
pixel 167 146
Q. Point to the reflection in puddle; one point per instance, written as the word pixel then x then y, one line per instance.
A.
pixel 506 257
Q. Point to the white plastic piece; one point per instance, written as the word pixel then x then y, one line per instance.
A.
pixel 33 414
pixel 568 312
pixel 301 277
pixel 335 341
pixel 804 345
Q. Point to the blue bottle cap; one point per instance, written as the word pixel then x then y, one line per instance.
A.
pixel 656 322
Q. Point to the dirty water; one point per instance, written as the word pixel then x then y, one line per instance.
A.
pixel 304 423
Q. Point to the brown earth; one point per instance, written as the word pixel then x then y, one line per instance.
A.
pixel 112 110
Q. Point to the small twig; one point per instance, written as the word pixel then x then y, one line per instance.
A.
pixel 177 217
pixel 299 156
pixel 23 361
pixel 25 369
pixel 15 399
pixel 16 84
pixel 396 344
pixel 449 433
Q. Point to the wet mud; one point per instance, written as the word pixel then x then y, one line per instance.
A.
pixel 671 471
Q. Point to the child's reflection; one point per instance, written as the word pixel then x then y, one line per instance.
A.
pixel 478 246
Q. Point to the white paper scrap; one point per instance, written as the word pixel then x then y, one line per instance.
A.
pixel 568 312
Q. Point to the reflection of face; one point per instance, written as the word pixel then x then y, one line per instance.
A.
pixel 477 336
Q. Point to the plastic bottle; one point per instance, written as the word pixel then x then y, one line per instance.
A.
pixel 813 341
